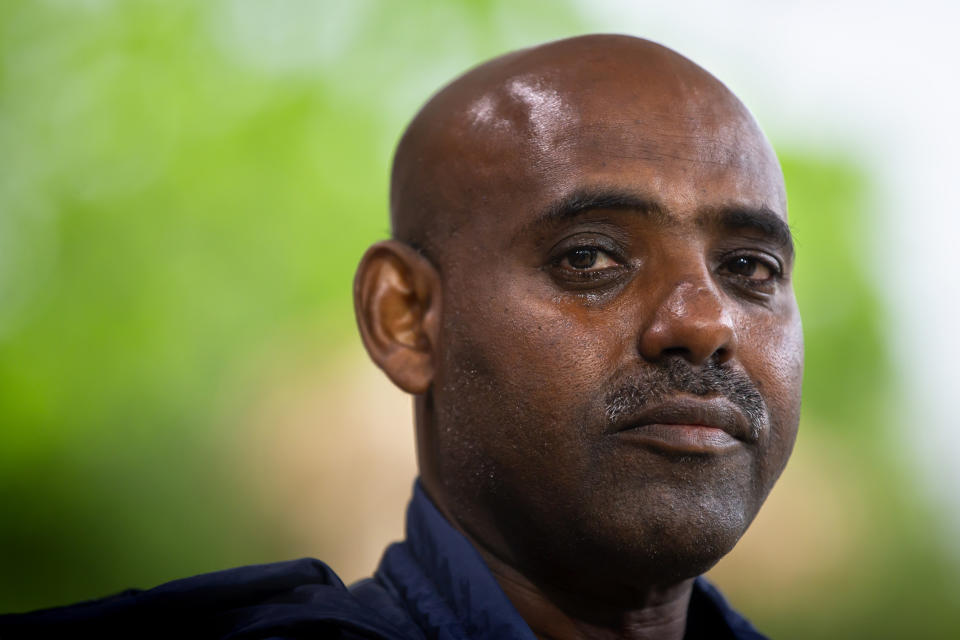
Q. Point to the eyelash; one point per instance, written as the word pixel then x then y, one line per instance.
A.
pixel 597 253
pixel 588 277
pixel 609 274
pixel 770 263
pixel 746 286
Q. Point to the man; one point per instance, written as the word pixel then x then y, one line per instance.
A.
pixel 588 293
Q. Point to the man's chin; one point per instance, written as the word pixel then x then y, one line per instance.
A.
pixel 629 580
pixel 668 559
pixel 627 554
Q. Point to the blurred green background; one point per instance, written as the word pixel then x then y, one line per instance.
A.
pixel 186 190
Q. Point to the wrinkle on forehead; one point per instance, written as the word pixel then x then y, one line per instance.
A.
pixel 620 140
pixel 725 144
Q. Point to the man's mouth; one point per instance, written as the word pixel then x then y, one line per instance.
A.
pixel 687 425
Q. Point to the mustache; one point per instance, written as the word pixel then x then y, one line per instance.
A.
pixel 676 376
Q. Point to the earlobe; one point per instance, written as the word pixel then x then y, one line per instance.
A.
pixel 396 296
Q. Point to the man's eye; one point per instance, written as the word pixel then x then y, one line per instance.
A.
pixel 587 259
pixel 750 268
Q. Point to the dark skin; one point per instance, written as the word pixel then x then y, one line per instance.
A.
pixel 588 292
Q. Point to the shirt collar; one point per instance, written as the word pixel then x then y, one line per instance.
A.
pixel 445 582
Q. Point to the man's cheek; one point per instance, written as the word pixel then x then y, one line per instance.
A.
pixel 772 354
pixel 545 348
pixel 783 365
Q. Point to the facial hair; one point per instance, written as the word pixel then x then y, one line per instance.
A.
pixel 675 376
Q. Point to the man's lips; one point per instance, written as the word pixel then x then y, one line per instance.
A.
pixel 688 425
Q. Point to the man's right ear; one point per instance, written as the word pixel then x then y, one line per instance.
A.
pixel 396 296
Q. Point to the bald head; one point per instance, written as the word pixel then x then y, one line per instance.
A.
pixel 532 120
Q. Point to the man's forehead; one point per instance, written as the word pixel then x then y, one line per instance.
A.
pixel 540 131
pixel 684 164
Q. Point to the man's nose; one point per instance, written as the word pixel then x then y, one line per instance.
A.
pixel 691 321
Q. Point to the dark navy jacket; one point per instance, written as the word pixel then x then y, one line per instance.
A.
pixel 434 585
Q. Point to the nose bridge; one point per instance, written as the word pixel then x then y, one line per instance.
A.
pixel 689 318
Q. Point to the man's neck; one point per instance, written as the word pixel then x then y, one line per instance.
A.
pixel 654 614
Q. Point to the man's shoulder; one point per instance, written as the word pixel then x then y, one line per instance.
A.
pixel 294 599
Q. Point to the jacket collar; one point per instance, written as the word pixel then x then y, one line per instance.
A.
pixel 444 581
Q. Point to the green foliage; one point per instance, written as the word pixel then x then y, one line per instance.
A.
pixel 848 377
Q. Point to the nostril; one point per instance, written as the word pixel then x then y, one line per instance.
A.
pixel 721 355
pixel 681 352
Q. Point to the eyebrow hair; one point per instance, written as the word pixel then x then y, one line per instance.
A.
pixel 762 220
pixel 582 200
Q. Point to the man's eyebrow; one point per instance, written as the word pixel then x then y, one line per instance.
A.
pixel 583 200
pixel 761 220
pixel 588 199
